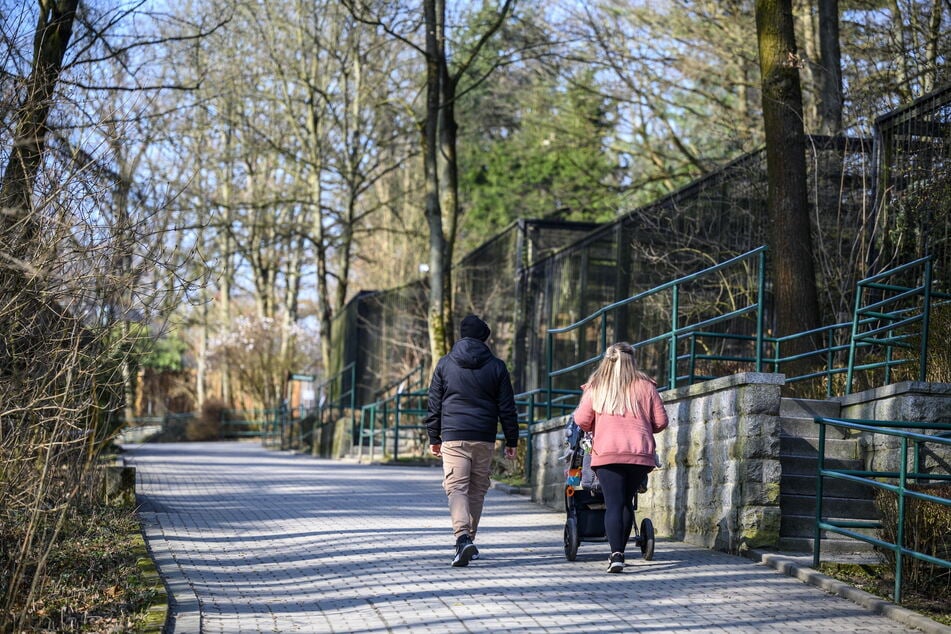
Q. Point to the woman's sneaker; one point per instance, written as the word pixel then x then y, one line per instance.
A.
pixel 616 562
pixel 465 549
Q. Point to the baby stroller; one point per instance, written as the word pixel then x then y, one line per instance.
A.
pixel 584 502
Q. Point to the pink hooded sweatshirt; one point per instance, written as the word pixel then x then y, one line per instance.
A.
pixel 627 439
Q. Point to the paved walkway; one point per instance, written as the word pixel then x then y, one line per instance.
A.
pixel 250 540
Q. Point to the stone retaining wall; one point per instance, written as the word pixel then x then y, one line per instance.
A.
pixel 718 486
pixel 906 401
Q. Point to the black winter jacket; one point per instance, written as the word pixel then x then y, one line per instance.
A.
pixel 471 392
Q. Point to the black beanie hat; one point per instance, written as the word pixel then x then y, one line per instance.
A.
pixel 475 328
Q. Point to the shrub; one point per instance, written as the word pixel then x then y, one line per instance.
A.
pixel 925 531
pixel 208 424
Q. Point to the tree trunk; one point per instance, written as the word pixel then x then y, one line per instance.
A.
pixel 795 297
pixel 810 70
pixel 448 187
pixel 201 359
pixel 441 164
pixel 902 68
pixel 830 69
pixel 434 14
pixel 226 248
pixel 53 30
pixel 323 282
pixel 930 74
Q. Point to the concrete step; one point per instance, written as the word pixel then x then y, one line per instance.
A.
pixel 808 465
pixel 804 525
pixel 829 547
pixel 799 505
pixel 807 428
pixel 808 408
pixel 809 447
pixel 833 487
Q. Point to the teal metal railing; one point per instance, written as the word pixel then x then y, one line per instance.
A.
pixel 897 329
pixel 406 396
pixel 412 381
pixel 528 405
pixel 678 331
pixel 912 446
pixel 889 331
pixel 261 423
pixel 382 421
pixel 386 418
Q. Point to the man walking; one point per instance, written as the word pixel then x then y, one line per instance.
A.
pixel 470 394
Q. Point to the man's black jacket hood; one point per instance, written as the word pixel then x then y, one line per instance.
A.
pixel 471 353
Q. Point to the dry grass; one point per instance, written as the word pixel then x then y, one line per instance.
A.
pixel 92 581
pixel 879 580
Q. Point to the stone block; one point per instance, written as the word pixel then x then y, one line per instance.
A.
pixel 119 485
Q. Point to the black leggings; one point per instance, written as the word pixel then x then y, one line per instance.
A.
pixel 619 483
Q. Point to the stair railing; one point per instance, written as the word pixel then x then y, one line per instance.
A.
pixel 911 444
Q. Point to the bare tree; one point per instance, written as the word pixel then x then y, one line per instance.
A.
pixel 80 237
pixel 438 136
pixel 683 78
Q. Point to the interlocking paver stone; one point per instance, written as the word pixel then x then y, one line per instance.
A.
pixel 251 540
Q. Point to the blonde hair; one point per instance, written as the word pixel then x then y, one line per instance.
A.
pixel 610 385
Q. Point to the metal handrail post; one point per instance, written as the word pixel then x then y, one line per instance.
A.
pixel 373 433
pixel 396 429
pixel 817 535
pixel 855 327
pixel 385 420
pixel 925 324
pixel 550 360
pixel 528 439
pixel 830 360
pixel 889 357
pixel 675 308
pixel 604 333
pixel 777 354
pixel 363 413
pixel 353 397
pixel 900 534
pixel 760 313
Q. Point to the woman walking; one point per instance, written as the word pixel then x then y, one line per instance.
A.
pixel 622 407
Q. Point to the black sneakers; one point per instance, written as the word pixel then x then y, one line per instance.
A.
pixel 616 562
pixel 465 552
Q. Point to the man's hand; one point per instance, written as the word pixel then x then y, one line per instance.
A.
pixel 436 449
pixel 510 453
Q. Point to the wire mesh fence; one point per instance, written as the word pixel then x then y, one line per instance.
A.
pixel 913 184
pixel 539 275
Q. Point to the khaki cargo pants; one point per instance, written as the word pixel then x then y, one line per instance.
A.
pixel 466 465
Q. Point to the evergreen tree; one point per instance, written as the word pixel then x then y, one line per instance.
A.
pixel 548 155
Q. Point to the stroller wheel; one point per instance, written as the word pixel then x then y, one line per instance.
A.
pixel 571 539
pixel 646 539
